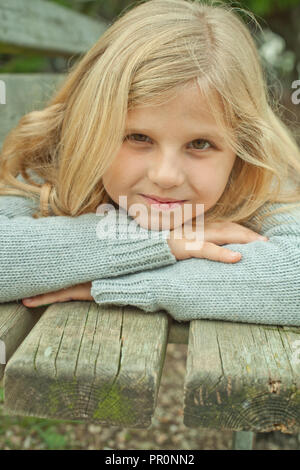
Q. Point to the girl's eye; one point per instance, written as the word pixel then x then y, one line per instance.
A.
pixel 203 141
pixel 141 138
pixel 128 137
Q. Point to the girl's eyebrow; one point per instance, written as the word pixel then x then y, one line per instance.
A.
pixel 204 134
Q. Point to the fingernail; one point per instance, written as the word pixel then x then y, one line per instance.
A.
pixel 29 299
pixel 263 238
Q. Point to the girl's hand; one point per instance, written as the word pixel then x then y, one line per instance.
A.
pixel 215 233
pixel 79 292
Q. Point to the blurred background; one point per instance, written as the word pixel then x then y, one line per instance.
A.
pixel 279 47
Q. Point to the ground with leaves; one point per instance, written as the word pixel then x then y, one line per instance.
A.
pixel 167 430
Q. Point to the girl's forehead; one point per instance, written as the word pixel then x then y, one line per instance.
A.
pixel 187 101
pixel 194 93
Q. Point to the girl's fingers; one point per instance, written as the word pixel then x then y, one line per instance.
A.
pixel 216 235
pixel 217 253
pixel 208 250
pixel 33 302
pixel 45 299
pixel 223 233
pixel 78 292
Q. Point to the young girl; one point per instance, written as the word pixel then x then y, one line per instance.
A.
pixel 170 104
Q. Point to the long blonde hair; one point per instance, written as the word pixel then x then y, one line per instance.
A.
pixel 142 58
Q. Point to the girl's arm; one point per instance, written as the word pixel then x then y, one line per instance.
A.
pixel 264 287
pixel 51 253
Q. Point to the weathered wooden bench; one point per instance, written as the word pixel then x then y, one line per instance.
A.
pixel 80 361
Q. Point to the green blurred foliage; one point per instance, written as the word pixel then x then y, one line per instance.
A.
pixel 20 64
pixel 46 434
pixel 268 7
pixel 110 9
pixel 53 439
pixel 106 9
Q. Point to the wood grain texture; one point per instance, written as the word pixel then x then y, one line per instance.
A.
pixel 43 27
pixel 25 93
pixel 242 377
pixel 16 321
pixel 85 362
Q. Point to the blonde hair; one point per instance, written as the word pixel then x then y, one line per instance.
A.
pixel 140 60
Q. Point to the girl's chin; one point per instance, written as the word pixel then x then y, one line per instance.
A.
pixel 158 223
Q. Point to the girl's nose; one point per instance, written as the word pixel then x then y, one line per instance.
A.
pixel 166 172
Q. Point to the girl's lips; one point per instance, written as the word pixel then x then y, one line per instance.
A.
pixel 162 205
pixel 162 200
pixel 166 201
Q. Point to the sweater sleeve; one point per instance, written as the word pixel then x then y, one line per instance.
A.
pixel 51 253
pixel 263 287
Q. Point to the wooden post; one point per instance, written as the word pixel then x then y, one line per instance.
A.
pixel 243 440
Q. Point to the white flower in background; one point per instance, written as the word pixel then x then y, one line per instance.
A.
pixel 273 50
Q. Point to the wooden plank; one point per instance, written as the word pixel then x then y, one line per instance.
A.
pixel 16 321
pixel 243 440
pixel 242 377
pixel 89 363
pixel 38 26
pixel 24 93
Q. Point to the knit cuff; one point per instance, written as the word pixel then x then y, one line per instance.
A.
pixel 122 292
pixel 130 248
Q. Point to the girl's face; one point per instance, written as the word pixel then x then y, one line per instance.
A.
pixel 174 151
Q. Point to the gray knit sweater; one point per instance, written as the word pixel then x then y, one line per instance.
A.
pixel 136 267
